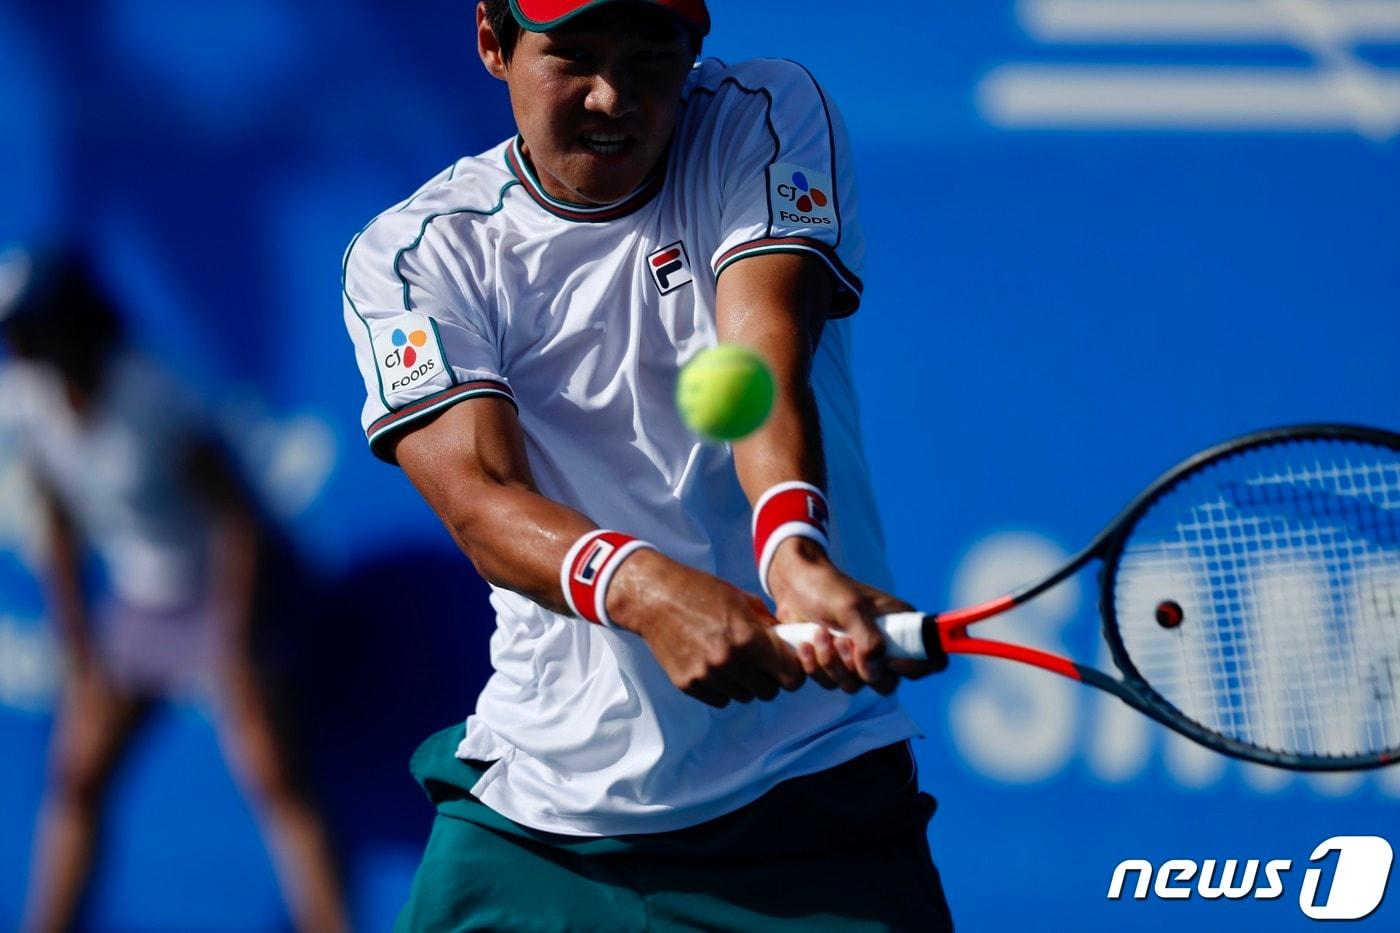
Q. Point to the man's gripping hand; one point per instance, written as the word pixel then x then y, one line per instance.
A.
pixel 809 588
pixel 714 641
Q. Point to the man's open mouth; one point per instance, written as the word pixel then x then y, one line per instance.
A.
pixel 606 143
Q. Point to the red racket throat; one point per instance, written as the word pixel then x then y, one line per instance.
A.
pixel 952 633
pixel 1249 599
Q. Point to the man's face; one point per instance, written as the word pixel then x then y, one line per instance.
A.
pixel 595 102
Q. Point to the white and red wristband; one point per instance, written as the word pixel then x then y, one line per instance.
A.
pixel 589 567
pixel 787 510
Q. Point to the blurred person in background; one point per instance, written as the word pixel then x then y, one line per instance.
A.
pixel 129 466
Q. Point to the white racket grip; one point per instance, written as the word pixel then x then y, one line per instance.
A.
pixel 903 631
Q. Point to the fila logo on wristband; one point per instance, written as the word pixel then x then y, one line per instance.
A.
pixel 591 561
pixel 788 510
pixel 589 567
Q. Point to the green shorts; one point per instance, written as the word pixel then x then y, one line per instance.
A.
pixel 845 849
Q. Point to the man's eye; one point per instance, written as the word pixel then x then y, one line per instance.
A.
pixel 570 55
pixel 653 56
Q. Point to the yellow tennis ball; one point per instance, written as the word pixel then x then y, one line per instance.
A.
pixel 725 392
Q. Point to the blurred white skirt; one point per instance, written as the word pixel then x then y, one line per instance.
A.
pixel 170 652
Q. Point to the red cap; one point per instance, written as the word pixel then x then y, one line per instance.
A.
pixel 543 15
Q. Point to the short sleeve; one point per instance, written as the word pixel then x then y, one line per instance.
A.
pixel 786 182
pixel 423 340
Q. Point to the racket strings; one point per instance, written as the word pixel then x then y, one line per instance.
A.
pixel 1241 676
pixel 1285 560
pixel 1310 674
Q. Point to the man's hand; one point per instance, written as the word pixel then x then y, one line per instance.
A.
pixel 778 304
pixel 809 588
pixel 715 641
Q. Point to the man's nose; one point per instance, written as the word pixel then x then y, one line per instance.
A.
pixel 612 94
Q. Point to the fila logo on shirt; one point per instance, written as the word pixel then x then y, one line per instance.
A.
pixel 592 561
pixel 670 267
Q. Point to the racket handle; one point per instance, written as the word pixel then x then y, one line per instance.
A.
pixel 903 631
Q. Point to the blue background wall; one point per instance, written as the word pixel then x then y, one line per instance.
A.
pixel 1094 250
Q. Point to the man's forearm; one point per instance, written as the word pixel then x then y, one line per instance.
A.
pixel 788 447
pixel 517 539
pixel 776 305
pixel 470 466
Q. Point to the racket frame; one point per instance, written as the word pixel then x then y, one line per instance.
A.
pixel 947 631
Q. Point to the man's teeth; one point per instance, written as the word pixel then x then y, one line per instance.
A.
pixel 606 143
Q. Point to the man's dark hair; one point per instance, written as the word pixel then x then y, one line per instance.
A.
pixel 503 24
pixel 650 21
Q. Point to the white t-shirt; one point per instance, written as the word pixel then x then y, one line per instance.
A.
pixel 119 469
pixel 483 285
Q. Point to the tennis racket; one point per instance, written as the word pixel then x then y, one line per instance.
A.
pixel 1250 600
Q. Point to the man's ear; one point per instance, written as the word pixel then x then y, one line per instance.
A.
pixel 488 46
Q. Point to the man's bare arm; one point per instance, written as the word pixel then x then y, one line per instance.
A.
pixel 777 304
pixel 471 466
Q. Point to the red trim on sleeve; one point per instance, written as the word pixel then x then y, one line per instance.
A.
pixel 382 428
pixel 848 285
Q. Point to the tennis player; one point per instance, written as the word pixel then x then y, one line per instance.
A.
pixel 129 469
pixel 647 754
